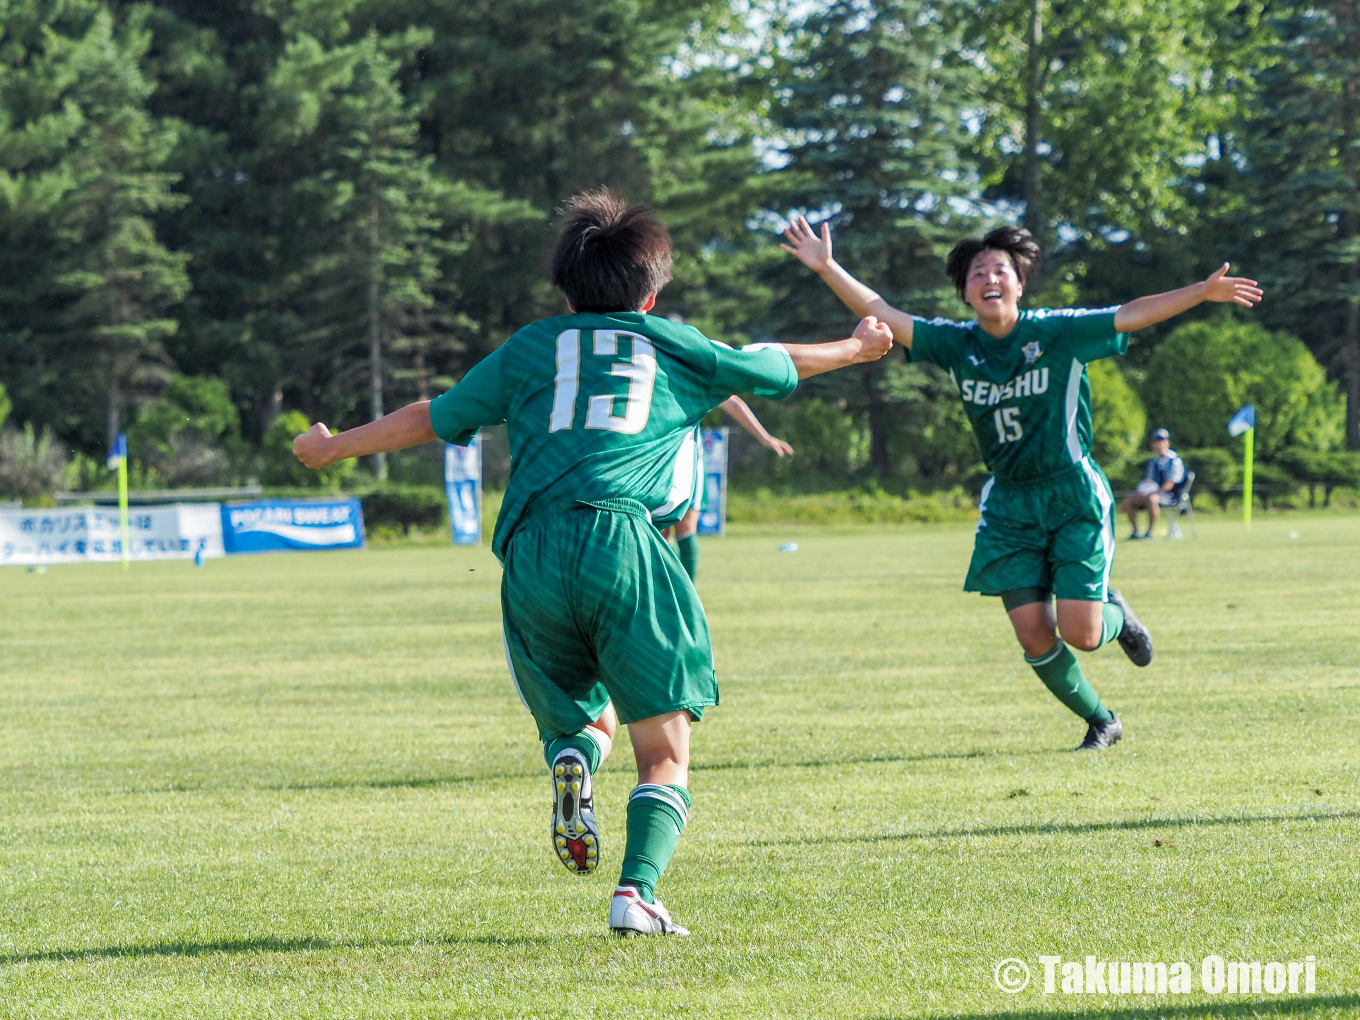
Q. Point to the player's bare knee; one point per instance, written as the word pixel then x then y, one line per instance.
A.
pixel 1082 637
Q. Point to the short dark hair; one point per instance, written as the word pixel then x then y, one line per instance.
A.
pixel 1014 241
pixel 610 255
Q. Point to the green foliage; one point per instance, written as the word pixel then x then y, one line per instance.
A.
pixel 32 464
pixel 1272 484
pixel 1118 422
pixel 407 507
pixel 1328 470
pixel 1304 143
pixel 1216 469
pixel 1074 128
pixel 184 434
pixel 339 207
pixel 5 404
pixel 873 506
pixel 1204 371
pixel 830 446
pixel 279 466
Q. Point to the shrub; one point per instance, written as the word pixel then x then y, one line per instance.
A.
pixel 404 506
pixel 1328 470
pixel 1216 471
pixel 1204 371
pixel 280 467
pixel 1118 421
pixel 182 434
pixel 32 465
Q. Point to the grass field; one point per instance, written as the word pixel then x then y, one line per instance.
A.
pixel 302 786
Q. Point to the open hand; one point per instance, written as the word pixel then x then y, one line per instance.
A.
pixel 312 447
pixel 780 447
pixel 807 247
pixel 875 338
pixel 1222 287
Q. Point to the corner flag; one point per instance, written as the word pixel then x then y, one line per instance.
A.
pixel 1243 423
pixel 117 461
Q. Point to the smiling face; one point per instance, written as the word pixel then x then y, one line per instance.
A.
pixel 992 287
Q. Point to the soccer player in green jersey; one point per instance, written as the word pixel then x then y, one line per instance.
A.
pixel 598 616
pixel 1047 526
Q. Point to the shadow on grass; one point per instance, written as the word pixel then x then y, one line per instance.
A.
pixel 266 945
pixel 425 782
pixel 1292 1005
pixel 1044 828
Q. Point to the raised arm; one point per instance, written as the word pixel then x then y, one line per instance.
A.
pixel 409 426
pixel 814 251
pixel 746 418
pixel 1155 308
pixel 870 341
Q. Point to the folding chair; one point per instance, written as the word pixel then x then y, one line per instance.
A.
pixel 1183 507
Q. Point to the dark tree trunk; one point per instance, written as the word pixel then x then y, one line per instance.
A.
pixel 1036 76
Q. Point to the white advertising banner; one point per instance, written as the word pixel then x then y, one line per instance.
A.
pixel 179 531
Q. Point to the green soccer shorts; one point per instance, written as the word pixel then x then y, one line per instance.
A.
pixel 596 608
pixel 1056 535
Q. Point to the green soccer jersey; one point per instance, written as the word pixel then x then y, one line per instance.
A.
pixel 597 407
pixel 1026 394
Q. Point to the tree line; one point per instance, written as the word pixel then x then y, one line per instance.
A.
pixel 220 220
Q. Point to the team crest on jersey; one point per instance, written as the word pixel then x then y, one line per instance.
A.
pixel 1031 352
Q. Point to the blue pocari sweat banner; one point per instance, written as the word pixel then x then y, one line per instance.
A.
pixel 713 507
pixel 282 525
pixel 463 484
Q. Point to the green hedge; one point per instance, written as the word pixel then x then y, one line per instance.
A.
pixel 404 507
pixel 764 506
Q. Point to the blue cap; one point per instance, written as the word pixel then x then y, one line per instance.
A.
pixel 1159 434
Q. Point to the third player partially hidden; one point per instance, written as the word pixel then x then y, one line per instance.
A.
pixel 1047 524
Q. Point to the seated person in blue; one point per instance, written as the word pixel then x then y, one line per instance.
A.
pixel 1164 472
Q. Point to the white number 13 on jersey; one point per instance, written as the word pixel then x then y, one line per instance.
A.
pixel 640 371
pixel 1008 428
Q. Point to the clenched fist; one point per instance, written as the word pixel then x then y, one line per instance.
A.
pixel 313 447
pixel 875 339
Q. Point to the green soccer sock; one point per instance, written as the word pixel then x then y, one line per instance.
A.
pixel 688 548
pixel 587 742
pixel 1111 622
pixel 656 817
pixel 1061 674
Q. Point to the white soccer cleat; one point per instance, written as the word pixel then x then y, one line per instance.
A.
pixel 629 915
pixel 575 836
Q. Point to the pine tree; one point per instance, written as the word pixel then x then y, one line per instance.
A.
pixel 380 257
pixel 1305 153
pixel 83 181
pixel 875 140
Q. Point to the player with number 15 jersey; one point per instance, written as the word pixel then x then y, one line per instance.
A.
pixel 1047 513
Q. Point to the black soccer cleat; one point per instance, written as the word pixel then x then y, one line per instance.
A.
pixel 1134 638
pixel 1101 736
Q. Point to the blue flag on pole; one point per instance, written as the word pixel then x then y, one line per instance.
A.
pixel 1242 420
pixel 119 451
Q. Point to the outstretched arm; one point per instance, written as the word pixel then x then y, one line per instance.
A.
pixel 1220 287
pixel 814 251
pixel 409 426
pixel 870 341
pixel 746 418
